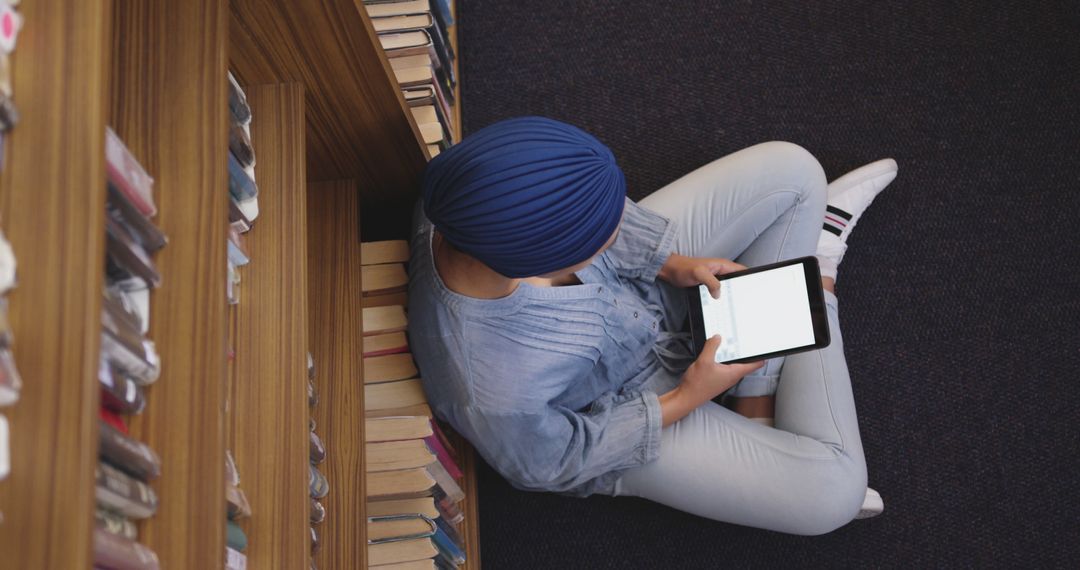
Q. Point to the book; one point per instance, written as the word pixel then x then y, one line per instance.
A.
pixel 399 527
pixel 435 444
pixel 385 299
pixel 112 418
pixel 317 453
pixel 10 380
pixel 235 560
pixel 393 455
pixel 384 344
pixel 380 320
pixel 445 481
pixel 241 185
pixel 236 503
pixel 126 260
pixel 426 564
pixel 448 549
pixel 121 208
pixel 132 457
pixel 433 127
pixel 115 523
pixel 129 177
pixel 316 544
pixel 396 428
pixel 238 254
pixel 418 505
pixel 412 410
pixel 401 551
pixel 143 368
pixel 400 484
pixel 238 105
pixel 318 512
pixel 386 278
pixel 121 553
pixel 237 218
pixel 117 491
pixel 389 368
pixel 388 395
pixel 318 487
pixel 240 145
pixel 433 150
pixel 5 448
pixel 384 9
pixel 402 22
pixel 414 42
pixel 235 538
pixel 380 252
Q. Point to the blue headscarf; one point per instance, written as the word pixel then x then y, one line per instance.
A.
pixel 526 196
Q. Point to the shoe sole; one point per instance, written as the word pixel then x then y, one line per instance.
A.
pixel 864 173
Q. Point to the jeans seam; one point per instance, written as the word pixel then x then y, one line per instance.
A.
pixel 749 207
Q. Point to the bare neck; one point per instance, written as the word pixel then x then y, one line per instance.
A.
pixel 465 275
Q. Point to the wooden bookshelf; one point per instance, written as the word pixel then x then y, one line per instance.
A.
pixel 51 208
pixel 337 149
pixel 268 400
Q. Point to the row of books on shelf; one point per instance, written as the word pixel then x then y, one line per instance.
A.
pixel 416 37
pixel 243 210
pixel 414 481
pixel 129 364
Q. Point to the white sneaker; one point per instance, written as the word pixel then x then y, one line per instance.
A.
pixel 848 198
pixel 872 505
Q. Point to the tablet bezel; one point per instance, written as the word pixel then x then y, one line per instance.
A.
pixel 814 293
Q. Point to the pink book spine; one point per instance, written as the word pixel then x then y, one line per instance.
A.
pixel 447 461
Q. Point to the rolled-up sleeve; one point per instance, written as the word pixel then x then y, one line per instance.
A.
pixel 644 243
pixel 561 450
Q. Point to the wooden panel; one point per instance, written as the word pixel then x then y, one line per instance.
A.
pixel 52 197
pixel 169 106
pixel 268 401
pixel 358 126
pixel 470 527
pixel 457 88
pixel 334 285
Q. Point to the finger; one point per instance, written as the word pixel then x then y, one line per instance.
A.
pixel 745 368
pixel 711 346
pixel 703 274
pixel 728 266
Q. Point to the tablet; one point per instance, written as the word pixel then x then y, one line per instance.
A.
pixel 762 312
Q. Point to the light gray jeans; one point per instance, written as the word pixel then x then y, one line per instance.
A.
pixel 807 475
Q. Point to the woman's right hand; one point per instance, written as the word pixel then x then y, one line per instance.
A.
pixel 702 381
pixel 707 379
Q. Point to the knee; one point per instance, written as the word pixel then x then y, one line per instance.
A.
pixel 832 503
pixel 804 169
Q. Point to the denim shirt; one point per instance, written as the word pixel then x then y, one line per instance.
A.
pixel 554 386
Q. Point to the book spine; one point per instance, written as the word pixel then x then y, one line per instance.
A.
pixel 124 494
pixel 119 393
pixel 133 457
pixel 447 548
pixel 123 170
pixel 235 560
pixel 445 482
pixel 116 524
pixel 241 186
pixel 120 553
pixel 440 451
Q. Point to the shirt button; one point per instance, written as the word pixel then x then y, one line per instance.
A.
pixel 599 289
pixel 635 314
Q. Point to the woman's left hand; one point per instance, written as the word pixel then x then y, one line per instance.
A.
pixel 683 271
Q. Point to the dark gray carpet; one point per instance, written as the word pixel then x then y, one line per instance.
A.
pixel 959 295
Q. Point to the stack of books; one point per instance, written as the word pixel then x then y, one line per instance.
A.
pixel 10 22
pixel 413 478
pixel 318 487
pixel 129 363
pixel 243 210
pixel 10 382
pixel 416 37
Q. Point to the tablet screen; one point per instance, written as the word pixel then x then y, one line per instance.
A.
pixel 759 313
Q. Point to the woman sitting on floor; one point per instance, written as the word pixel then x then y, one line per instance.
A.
pixel 546 314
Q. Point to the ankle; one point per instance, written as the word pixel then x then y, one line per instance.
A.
pixel 753 407
pixel 828 284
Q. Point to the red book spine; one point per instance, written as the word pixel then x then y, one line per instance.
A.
pixel 447 461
